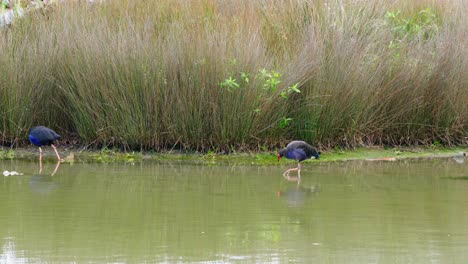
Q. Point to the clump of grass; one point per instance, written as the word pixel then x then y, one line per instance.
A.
pixel 372 86
pixel 107 155
pixel 234 75
pixel 7 154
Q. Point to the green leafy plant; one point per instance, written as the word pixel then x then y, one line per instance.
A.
pixel 271 79
pixel 436 144
pixel 283 123
pixel 424 22
pixel 230 84
pixel 245 77
pixel 7 154
pixel 107 155
pixel 291 89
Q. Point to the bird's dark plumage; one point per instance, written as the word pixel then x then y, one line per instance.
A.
pixel 42 136
pixel 299 151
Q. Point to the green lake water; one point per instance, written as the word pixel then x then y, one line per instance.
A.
pixel 408 211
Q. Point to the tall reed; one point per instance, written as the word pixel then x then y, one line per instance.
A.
pixel 216 74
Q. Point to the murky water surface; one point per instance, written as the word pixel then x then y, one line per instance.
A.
pixel 351 212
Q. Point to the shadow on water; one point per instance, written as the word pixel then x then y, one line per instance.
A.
pixel 42 184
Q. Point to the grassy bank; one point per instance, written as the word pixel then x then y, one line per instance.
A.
pixel 236 75
pixel 72 155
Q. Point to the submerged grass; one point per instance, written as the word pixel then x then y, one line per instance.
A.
pixel 237 75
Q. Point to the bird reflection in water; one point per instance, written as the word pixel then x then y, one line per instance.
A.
pixel 43 183
pixel 53 172
pixel 296 195
pixel 459 157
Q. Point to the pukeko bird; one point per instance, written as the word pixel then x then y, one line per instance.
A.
pixel 299 151
pixel 43 136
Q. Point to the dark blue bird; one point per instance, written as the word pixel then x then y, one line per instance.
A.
pixel 43 136
pixel 299 151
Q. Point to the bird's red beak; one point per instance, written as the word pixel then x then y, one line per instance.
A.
pixel 279 157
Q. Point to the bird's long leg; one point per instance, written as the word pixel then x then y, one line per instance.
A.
pixel 299 170
pixel 292 179
pixel 40 166
pixel 56 153
pixel 40 160
pixel 286 173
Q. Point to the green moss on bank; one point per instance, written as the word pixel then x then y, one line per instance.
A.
pixel 244 158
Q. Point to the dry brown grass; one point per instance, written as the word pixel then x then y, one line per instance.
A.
pixel 148 74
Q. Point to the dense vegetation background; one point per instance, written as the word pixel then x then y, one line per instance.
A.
pixel 219 74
